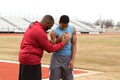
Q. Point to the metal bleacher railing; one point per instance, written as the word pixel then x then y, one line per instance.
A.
pixel 20 24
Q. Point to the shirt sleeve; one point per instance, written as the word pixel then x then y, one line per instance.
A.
pixel 45 44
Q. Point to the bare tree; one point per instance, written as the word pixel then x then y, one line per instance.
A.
pixel 108 23
pixel 118 24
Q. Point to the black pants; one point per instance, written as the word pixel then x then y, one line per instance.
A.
pixel 30 72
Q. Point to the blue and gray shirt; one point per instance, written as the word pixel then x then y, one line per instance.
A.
pixel 67 49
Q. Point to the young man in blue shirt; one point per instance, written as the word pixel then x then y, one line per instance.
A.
pixel 62 62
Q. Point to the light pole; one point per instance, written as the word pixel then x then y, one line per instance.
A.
pixel 100 22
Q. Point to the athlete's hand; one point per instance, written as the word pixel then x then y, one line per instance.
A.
pixel 71 64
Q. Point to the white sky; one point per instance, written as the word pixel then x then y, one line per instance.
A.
pixel 88 10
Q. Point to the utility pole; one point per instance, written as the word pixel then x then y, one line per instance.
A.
pixel 100 22
pixel 101 26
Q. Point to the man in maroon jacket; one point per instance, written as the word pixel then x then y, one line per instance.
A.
pixel 34 42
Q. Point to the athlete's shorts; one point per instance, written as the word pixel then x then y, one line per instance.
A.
pixel 59 68
pixel 30 72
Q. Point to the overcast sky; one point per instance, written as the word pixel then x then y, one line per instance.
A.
pixel 88 10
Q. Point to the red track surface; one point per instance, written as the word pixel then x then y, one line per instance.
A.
pixel 9 71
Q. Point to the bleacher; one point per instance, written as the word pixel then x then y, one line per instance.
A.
pixel 13 24
pixel 20 24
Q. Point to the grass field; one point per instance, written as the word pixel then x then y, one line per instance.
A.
pixel 94 52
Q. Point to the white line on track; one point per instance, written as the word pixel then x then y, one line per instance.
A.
pixel 87 72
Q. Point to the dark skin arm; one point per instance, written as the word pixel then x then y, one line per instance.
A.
pixel 54 39
pixel 74 40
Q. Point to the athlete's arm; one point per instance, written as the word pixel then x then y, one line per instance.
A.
pixel 54 38
pixel 74 40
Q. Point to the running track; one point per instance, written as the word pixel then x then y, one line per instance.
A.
pixel 9 71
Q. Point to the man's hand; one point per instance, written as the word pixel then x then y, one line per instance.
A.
pixel 66 37
pixel 71 64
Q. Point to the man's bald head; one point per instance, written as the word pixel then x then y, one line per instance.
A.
pixel 47 21
pixel 48 18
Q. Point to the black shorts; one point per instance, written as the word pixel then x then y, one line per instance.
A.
pixel 30 72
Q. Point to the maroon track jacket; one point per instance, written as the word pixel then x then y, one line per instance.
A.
pixel 34 42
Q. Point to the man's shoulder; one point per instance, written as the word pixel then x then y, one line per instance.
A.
pixel 55 28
